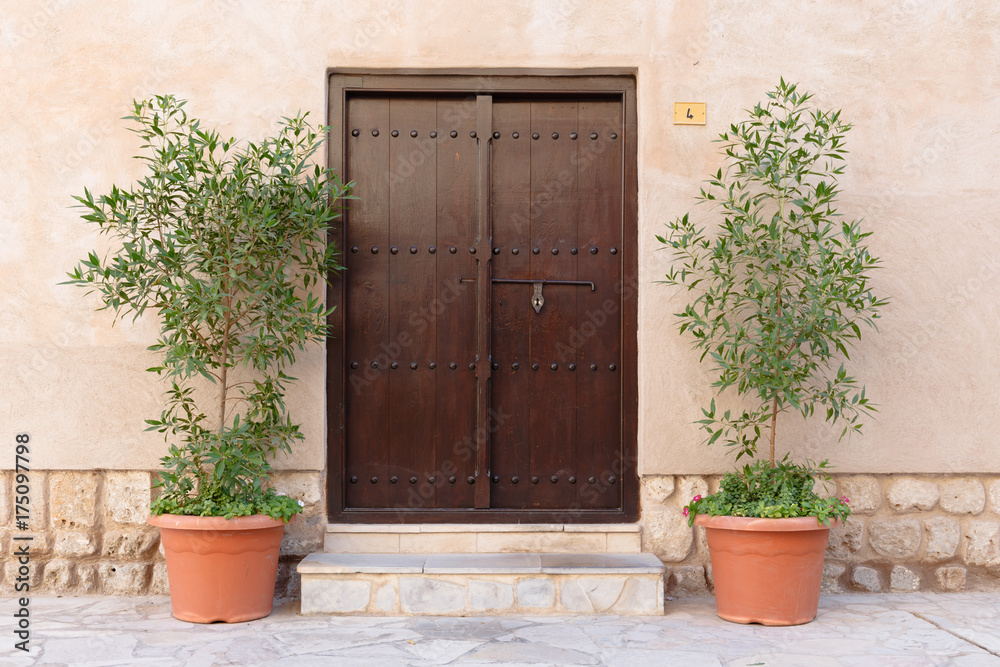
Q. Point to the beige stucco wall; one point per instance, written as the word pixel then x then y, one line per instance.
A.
pixel 918 78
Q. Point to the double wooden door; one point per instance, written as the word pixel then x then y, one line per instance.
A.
pixel 486 355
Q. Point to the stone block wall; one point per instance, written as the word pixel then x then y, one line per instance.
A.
pixel 906 533
pixel 89 533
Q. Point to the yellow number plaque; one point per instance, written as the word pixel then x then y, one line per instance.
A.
pixel 689 113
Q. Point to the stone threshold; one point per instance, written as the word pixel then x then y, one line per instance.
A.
pixel 465 584
pixel 483 528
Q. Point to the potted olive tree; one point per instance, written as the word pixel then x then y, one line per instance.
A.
pixel 781 292
pixel 225 243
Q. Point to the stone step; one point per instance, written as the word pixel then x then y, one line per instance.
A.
pixel 481 584
pixel 482 538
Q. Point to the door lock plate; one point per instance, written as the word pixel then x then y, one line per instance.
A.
pixel 537 300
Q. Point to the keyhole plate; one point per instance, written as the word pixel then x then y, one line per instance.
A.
pixel 537 300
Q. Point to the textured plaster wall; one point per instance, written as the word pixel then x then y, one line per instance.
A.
pixel 918 78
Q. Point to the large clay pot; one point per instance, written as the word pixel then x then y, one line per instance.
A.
pixel 220 569
pixel 766 571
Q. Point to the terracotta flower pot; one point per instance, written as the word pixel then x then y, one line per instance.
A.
pixel 766 571
pixel 220 569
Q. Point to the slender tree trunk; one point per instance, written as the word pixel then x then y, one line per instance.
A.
pixel 774 422
pixel 223 375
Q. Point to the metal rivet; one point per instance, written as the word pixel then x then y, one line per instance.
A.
pixel 495 365
pixel 395 133
pixel 354 478
pixel 612 479
pixel 394 365
pixel 451 480
pixel 554 366
pixel 514 251
pixel 593 135
pixel 432 250
pixel 472 250
pixel 393 479
pixel 555 251
pixel 374 480
pixel 354 249
pixel 534 479
pixel 374 133
pixel 571 480
pixel 432 365
pixel 496 135
pixel 572 367
pixel 470 479
pixel 453 250
pixel 515 366
pixel 355 133
pixel 453 365
pixel 593 367
pixel 432 479
pixel 473 135
pixel 611 367
pixel 496 251
pixel 354 364
pixel 453 134
pixel 593 250
pixel 515 479
pixel 573 251
pixel 555 135
pixel 472 366
pixel 496 479
pixel 413 365
pixel 516 135
pixel 413 480
pixel 413 133
pixel 572 135
pixel 433 136
pixel 393 250
pixel 535 135
pixel 554 479
pixel 592 480
pixel 534 367
pixel 374 364
pixel 374 249
pixel 536 250
pixel 614 136
pixel 413 250
pixel 613 251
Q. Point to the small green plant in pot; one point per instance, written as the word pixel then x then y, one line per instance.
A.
pixel 781 293
pixel 225 243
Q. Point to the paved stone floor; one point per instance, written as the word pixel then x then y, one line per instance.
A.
pixel 913 629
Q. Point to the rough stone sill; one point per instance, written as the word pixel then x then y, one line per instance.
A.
pixel 482 528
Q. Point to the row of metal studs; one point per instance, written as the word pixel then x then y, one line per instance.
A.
pixel 496 251
pixel 496 135
pixel 496 479
pixel 514 366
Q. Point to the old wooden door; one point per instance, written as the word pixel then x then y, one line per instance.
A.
pixel 487 359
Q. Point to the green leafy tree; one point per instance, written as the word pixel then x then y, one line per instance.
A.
pixel 783 289
pixel 225 243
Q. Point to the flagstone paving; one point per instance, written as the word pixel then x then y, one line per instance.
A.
pixel 917 629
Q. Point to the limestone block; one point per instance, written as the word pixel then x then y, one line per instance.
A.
pixel 688 579
pixel 430 543
pixel 304 486
pixel 907 493
pixel 894 538
pixel 845 539
pixel 37 507
pixel 591 594
pixel 58 576
pixel 5 501
pixel 123 578
pixel 624 543
pixel 982 543
pixel 15 572
pixel 74 544
pixel 655 491
pixel 39 544
pixel 489 595
pixel 667 534
pixel 159 584
pixel 963 496
pixel 130 544
pixel 868 578
pixel 688 487
pixel 536 592
pixel 641 595
pixel 995 496
pixel 420 595
pixel 951 578
pixel 360 543
pixel 335 595
pixel 903 580
pixel 303 535
pixel 73 499
pixel 864 494
pixel 943 534
pixel 385 599
pixel 832 574
pixel 86 575
pixel 127 496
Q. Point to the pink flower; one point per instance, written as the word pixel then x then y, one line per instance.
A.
pixel 686 511
pixel 696 498
pixel 845 499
